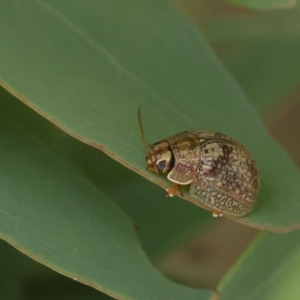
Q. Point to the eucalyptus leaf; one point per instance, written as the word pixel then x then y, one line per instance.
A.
pixel 162 225
pixel 54 214
pixel 87 67
pixel 24 278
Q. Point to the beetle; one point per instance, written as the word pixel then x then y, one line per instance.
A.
pixel 221 172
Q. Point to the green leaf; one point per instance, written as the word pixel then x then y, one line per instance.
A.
pixel 265 4
pixel 88 67
pixel 268 270
pixel 162 224
pixel 51 212
pixel 23 278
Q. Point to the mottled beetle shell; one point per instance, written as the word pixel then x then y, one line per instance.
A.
pixel 222 173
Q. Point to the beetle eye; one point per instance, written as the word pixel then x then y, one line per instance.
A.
pixel 161 166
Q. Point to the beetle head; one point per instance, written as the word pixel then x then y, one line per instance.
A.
pixel 160 158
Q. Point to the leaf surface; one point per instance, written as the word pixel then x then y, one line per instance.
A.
pixel 162 224
pixel 26 279
pixel 87 68
pixel 54 214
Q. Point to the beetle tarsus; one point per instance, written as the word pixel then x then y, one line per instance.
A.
pixel 172 190
pixel 217 214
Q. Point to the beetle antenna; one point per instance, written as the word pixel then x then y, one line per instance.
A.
pixel 142 129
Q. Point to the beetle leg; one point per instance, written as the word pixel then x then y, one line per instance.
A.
pixel 217 214
pixel 172 190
